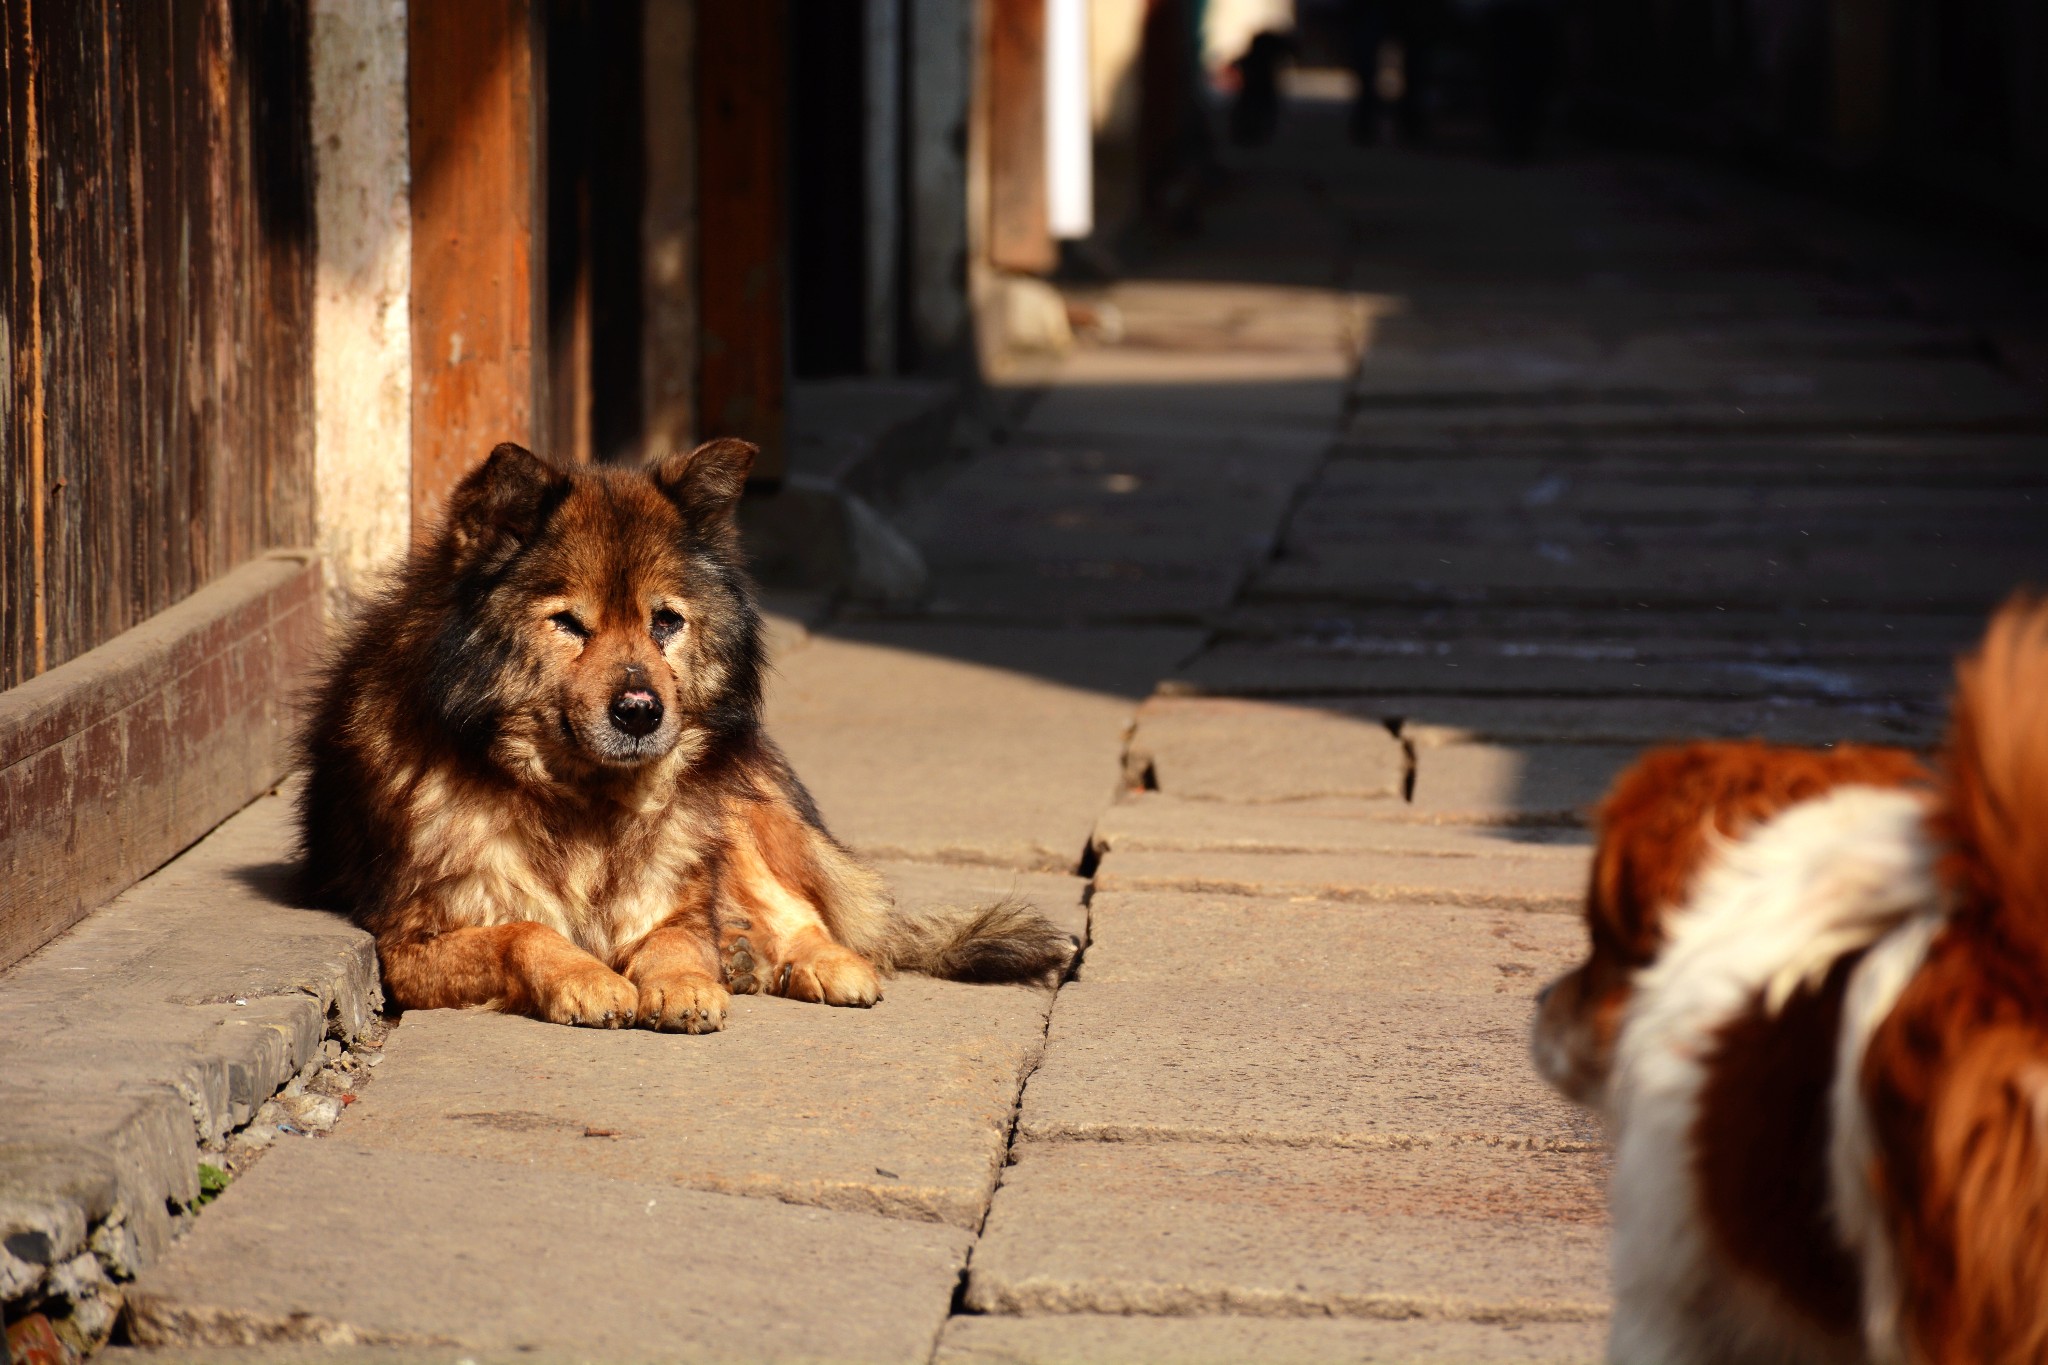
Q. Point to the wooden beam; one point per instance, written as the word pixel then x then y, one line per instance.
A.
pixel 475 242
pixel 742 237
pixel 1019 232
pixel 668 242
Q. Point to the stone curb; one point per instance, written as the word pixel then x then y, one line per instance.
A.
pixel 135 1044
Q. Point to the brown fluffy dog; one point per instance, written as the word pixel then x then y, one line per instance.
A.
pixel 538 773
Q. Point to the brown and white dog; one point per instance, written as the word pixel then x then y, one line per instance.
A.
pixel 1815 1015
pixel 538 773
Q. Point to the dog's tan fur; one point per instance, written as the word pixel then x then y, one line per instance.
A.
pixel 478 803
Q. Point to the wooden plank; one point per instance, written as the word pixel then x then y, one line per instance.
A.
pixel 20 574
pixel 158 281
pixel 668 228
pixel 742 233
pixel 113 762
pixel 1019 232
pixel 475 250
pixel 278 103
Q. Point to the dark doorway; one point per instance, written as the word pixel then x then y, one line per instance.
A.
pixel 595 173
pixel 828 195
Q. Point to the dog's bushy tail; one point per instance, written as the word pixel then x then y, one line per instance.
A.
pixel 1958 1075
pixel 1004 940
pixel 1994 816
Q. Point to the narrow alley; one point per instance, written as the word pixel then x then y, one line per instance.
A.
pixel 1278 644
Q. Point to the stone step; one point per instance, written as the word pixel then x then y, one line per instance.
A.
pixel 1464 1234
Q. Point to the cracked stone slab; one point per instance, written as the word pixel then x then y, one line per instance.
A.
pixel 972 744
pixel 1232 1020
pixel 1090 1338
pixel 1227 749
pixel 902 1111
pixel 1242 1063
pixel 325 1240
pixel 1547 784
pixel 1461 1233
pixel 164 1019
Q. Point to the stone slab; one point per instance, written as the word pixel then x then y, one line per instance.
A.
pixel 966 743
pixel 1088 1339
pixel 1243 668
pixel 1288 393
pixel 1922 576
pixel 1509 882
pixel 1429 722
pixel 1541 784
pixel 161 1021
pixel 1249 1064
pixel 325 1239
pixel 1335 850
pixel 1186 937
pixel 903 1110
pixel 1226 749
pixel 1464 1233
pixel 1153 822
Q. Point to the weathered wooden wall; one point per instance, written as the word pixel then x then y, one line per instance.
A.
pixel 477 211
pixel 156 290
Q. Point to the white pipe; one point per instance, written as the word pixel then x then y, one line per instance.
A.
pixel 1069 128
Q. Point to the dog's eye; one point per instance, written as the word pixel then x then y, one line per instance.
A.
pixel 566 622
pixel 665 625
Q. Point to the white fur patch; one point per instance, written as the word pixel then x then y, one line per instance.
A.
pixel 1771 913
pixel 1874 989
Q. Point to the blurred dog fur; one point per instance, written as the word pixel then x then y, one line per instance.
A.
pixel 538 773
pixel 1815 1015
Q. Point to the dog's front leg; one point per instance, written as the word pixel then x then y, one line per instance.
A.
pixel 521 968
pixel 676 971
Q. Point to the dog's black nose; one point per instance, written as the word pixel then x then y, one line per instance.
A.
pixel 636 711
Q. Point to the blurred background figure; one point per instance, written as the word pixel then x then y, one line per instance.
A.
pixel 1255 112
pixel 1245 44
pixel 1392 44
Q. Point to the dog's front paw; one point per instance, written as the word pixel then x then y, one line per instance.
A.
pixel 825 973
pixel 593 997
pixel 745 972
pixel 683 1004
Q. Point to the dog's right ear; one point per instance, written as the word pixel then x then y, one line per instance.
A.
pixel 501 504
pixel 706 483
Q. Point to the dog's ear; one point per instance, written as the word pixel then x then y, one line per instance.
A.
pixel 501 504
pixel 705 484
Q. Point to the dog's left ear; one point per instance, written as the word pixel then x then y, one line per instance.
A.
pixel 706 483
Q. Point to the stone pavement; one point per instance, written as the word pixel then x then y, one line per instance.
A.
pixel 1279 647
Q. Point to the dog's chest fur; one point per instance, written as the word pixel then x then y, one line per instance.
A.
pixel 602 868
